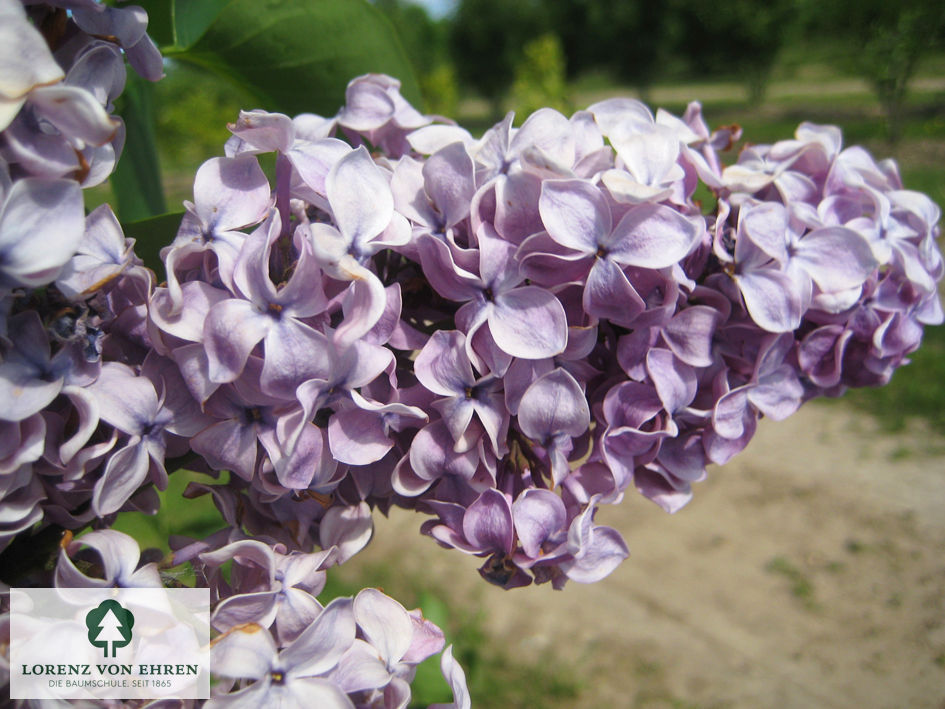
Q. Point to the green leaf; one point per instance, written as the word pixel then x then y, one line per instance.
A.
pixel 191 19
pixel 160 21
pixel 298 56
pixel 136 181
pixel 176 24
pixel 151 235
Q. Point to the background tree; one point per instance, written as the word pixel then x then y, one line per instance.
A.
pixel 740 38
pixel 487 39
pixel 630 41
pixel 881 41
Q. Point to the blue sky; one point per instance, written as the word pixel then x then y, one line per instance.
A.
pixel 437 8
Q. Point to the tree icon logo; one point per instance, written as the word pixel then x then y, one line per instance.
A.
pixel 110 623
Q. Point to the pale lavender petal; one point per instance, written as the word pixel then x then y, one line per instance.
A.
pixel 247 651
pixel 528 322
pixel 675 381
pixel 384 623
pixel 75 112
pixel 771 299
pixel 449 180
pixel 41 225
pixel 554 403
pixel 232 329
pixel 836 258
pixel 245 608
pixel 538 514
pixel 231 193
pixel 487 523
pixel 689 334
pixel 575 214
pixel 442 365
pixel 609 295
pixel 348 528
pixel 319 648
pixel 126 471
pixel 652 236
pixel 358 437
pixel 456 679
pixel 360 197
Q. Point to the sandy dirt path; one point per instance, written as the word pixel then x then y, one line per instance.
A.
pixel 809 572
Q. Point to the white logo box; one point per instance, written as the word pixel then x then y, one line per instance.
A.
pixel 139 643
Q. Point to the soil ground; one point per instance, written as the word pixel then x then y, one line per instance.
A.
pixel 808 572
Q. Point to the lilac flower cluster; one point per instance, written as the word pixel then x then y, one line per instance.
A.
pixel 66 279
pixel 506 333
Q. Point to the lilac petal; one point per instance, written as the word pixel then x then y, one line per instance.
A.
pixel 836 258
pixel 24 56
pixel 575 214
pixel 516 210
pixel 231 193
pixel 294 353
pixel 553 404
pixel 22 391
pixel 364 304
pixel 41 225
pixel 446 278
pixel 255 695
pixel 487 523
pixel 367 105
pixel 304 692
pixel 432 454
pixel 599 558
pixel 321 645
pixel 68 576
pixel 689 334
pixel 538 514
pixel 684 457
pixel 457 412
pixel 296 469
pixel 296 612
pixel 427 638
pixel 232 329
pixel 442 365
pixel 360 197
pixel 771 299
pixel 779 395
pixel 125 401
pixel 75 112
pixel 348 528
pixel 528 322
pixel 384 623
pixel 456 679
pixel 728 416
pixel 652 236
pixel 264 131
pixel 360 669
pixel 609 295
pixel 671 495
pixel 765 225
pixel 126 471
pixel 674 380
pixel 245 608
pixel 118 552
pixel 228 445
pixel 449 181
pixel 358 437
pixel 246 651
